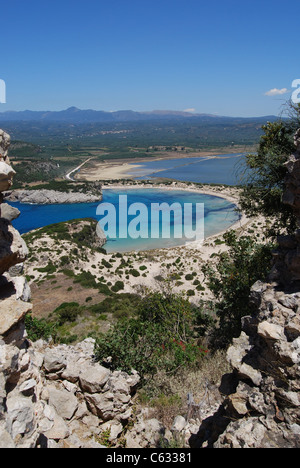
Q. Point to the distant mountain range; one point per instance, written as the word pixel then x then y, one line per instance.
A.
pixel 75 115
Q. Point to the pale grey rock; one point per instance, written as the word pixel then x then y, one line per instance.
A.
pixel 9 359
pixel 54 360
pixel 22 289
pixel 270 331
pixel 20 415
pixel 93 378
pixel 115 429
pixel 63 401
pixel 71 373
pixel 179 424
pixel 6 175
pixel 53 197
pixel 101 405
pixel 12 312
pixel 59 429
pixel 9 212
pixel 16 270
pixel 6 441
pixel 27 386
pixel 13 249
pixel 248 433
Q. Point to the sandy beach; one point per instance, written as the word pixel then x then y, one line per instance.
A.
pixel 178 268
pixel 94 170
pixel 228 193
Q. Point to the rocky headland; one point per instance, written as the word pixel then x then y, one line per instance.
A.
pixel 52 197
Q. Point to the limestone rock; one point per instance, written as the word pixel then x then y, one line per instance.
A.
pixel 59 429
pixel 54 361
pixel 179 424
pixel 9 212
pixel 13 249
pixel 64 403
pixel 93 378
pixel 6 175
pixel 20 415
pixel 4 145
pixel 6 441
pixel 270 331
pixel 11 313
pixel 47 197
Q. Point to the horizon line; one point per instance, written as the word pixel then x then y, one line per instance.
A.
pixel 155 111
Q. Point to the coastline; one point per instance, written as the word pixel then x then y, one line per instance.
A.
pixel 228 193
pixel 157 263
pixel 122 168
pixel 49 197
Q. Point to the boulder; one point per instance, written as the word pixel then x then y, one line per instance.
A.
pixel 54 361
pixel 93 378
pixel 11 313
pixel 63 401
pixel 13 249
pixel 6 176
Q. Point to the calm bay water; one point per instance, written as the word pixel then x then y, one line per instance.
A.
pixel 219 214
pixel 224 169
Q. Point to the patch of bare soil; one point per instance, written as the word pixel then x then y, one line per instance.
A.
pixel 50 294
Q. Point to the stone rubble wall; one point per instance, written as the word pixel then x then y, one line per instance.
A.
pixel 262 404
pixel 50 396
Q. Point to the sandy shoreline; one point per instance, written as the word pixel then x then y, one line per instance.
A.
pixel 159 268
pixel 228 193
pixel 126 169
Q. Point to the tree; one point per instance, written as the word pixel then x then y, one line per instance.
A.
pixel 231 280
pixel 265 173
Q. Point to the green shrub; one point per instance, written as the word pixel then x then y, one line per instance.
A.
pixel 189 277
pixel 190 292
pixel 39 328
pixel 231 280
pixel 118 286
pixel 50 268
pixel 67 312
pixel 162 336
pixel 134 273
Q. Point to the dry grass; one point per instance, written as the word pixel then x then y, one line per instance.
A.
pixel 166 395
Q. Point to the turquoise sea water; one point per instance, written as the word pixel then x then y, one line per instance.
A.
pixel 219 214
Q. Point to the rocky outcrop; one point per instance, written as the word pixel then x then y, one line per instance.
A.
pixel 58 397
pixel 13 250
pixel 51 197
pixel 50 396
pixel 262 407
pixel 6 171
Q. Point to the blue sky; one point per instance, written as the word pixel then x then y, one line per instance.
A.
pixel 217 56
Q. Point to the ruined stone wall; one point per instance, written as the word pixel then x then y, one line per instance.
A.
pixel 50 396
pixel 262 407
pixel 14 291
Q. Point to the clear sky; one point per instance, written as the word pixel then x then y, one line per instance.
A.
pixel 216 56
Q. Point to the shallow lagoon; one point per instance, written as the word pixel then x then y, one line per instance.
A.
pixel 219 214
pixel 224 169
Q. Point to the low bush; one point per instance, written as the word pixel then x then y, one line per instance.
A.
pixel 163 335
